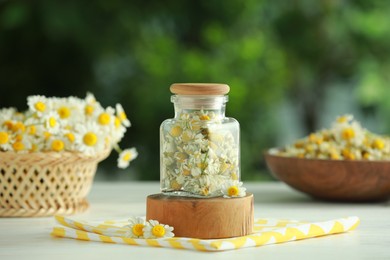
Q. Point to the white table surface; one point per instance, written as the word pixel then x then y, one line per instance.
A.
pixel 28 238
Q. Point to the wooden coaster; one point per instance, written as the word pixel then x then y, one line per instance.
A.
pixel 203 218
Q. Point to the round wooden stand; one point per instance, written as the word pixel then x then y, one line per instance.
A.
pixel 203 218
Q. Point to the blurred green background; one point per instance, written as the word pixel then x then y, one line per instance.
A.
pixel 292 66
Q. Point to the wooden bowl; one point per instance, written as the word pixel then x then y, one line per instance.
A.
pixel 334 180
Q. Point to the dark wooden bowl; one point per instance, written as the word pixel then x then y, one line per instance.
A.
pixel 334 180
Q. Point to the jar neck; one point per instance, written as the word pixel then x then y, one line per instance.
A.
pixel 207 104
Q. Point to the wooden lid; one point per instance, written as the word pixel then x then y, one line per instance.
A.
pixel 199 89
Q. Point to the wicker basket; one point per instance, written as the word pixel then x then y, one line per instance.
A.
pixel 45 184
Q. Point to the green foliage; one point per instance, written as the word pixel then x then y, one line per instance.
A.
pixel 131 51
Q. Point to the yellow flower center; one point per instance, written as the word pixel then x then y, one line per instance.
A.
pixel 90 139
pixel 186 172
pixel 201 165
pixel 19 138
pixel 378 144
pixel 348 133
pixel 342 119
pixel 312 138
pixel 8 124
pixel 366 155
pixel 34 148
pixel 138 230
pixel 64 112
pixel 89 110
pixel 122 116
pixel 32 130
pixel 126 157
pixel 310 148
pixel 158 231
pixel 4 137
pixel 186 137
pixel 52 122
pixel 18 146
pixel 104 118
pixel 175 185
pixel 348 155
pixel 40 106
pixel 57 145
pixel 117 122
pixel 70 137
pixel 232 191
pixel 176 131
pixel 334 156
pixel 205 191
pixel 18 127
pixel 46 135
pixel 204 117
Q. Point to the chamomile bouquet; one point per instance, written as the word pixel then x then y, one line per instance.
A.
pixel 53 124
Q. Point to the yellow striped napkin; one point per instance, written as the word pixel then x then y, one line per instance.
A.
pixel 266 231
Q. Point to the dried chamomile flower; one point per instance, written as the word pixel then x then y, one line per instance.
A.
pixel 345 140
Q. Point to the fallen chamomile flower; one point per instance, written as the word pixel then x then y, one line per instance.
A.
pixel 69 124
pixel 136 226
pixel 233 188
pixel 153 229
pixel 139 228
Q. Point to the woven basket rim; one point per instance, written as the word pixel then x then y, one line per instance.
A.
pixel 58 157
pixel 56 154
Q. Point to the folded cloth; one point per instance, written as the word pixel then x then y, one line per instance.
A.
pixel 266 231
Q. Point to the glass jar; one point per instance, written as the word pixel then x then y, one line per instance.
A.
pixel 199 147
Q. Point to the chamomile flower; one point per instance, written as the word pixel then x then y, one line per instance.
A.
pixel 5 140
pixel 136 226
pixel 91 107
pixel 38 104
pixel 106 117
pixel 21 144
pixel 344 119
pixel 120 113
pixel 56 144
pixel 89 138
pixel 18 127
pixel 63 108
pixel 346 130
pixel 7 114
pixel 126 156
pixel 37 143
pixel 154 229
pixel 63 124
pixel 232 189
pixel 117 130
pixel 69 139
pixel 52 122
